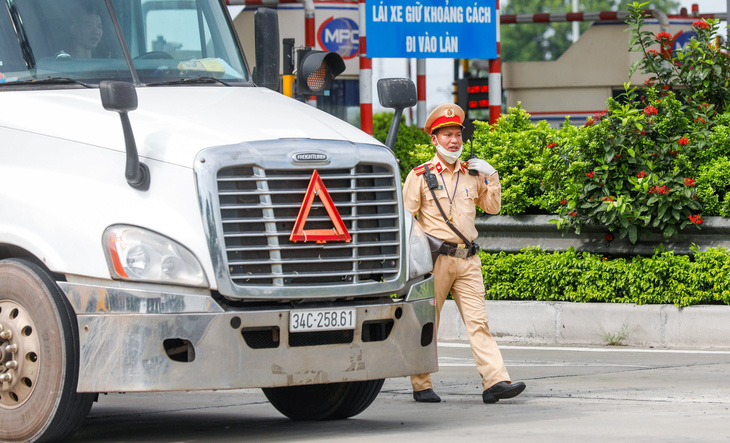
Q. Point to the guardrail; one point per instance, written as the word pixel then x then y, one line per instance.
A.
pixel 512 233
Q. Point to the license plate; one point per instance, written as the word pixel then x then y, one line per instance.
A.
pixel 321 320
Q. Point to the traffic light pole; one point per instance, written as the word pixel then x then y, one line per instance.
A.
pixel 288 67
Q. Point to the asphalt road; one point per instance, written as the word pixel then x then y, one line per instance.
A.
pixel 573 394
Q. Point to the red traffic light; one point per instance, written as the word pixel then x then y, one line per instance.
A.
pixel 316 71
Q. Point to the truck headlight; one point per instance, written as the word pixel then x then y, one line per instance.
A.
pixel 419 252
pixel 137 254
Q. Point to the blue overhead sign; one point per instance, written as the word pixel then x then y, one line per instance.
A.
pixel 431 28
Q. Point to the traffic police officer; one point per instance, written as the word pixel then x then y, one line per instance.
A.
pixel 457 268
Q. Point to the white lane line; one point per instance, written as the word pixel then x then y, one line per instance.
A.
pixel 459 362
pixel 607 349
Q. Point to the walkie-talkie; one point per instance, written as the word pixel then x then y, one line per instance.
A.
pixel 471 147
pixel 431 179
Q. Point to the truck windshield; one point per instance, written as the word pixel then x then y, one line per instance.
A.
pixel 82 42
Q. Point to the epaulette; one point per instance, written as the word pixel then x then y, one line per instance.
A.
pixel 464 167
pixel 422 168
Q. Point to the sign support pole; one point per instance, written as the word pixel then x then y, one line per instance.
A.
pixel 495 79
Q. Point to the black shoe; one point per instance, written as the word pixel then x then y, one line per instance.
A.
pixel 426 396
pixel 502 390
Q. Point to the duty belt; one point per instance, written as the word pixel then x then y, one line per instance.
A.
pixel 458 250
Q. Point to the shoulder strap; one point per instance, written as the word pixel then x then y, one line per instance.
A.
pixel 422 168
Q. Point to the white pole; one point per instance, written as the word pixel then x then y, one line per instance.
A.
pixel 421 91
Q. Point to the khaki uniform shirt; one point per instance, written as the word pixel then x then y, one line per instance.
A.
pixel 459 193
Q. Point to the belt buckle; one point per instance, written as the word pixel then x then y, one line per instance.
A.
pixel 461 252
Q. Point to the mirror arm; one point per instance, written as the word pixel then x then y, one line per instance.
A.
pixel 393 131
pixel 136 173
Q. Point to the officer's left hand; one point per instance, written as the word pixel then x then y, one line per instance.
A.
pixel 477 164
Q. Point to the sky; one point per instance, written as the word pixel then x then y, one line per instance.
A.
pixel 440 72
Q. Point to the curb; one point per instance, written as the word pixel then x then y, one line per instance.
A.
pixel 597 324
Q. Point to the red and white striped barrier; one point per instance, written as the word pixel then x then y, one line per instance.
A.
pixel 565 17
pixel 599 16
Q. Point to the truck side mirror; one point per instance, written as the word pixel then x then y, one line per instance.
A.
pixel 397 93
pixel 118 96
pixel 121 97
pixel 266 72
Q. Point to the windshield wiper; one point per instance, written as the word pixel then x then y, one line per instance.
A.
pixel 190 80
pixel 48 80
pixel 25 48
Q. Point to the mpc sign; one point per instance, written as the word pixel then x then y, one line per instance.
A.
pixel 432 28
pixel 340 35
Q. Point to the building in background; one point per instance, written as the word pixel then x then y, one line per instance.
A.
pixel 577 84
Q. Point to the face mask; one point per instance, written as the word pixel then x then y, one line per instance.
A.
pixel 448 156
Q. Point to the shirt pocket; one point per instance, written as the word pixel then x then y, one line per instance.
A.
pixel 440 196
pixel 471 192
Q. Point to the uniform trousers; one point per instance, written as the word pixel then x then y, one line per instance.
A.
pixel 463 278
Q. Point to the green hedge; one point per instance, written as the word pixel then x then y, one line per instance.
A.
pixel 665 278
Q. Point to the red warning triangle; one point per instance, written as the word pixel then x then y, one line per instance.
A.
pixel 338 233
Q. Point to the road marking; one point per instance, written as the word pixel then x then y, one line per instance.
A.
pixel 612 349
pixel 468 361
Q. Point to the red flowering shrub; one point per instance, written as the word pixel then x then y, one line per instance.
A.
pixel 699 71
pixel 696 219
pixel 701 24
pixel 627 170
pixel 689 182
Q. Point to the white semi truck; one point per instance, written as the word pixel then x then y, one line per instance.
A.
pixel 168 225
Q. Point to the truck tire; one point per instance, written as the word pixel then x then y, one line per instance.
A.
pixel 332 401
pixel 39 357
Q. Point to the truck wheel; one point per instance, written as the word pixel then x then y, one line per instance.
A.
pixel 39 357
pixel 331 401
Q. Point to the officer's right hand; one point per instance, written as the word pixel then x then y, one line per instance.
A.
pixel 477 164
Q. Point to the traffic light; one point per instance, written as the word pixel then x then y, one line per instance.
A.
pixel 473 93
pixel 316 70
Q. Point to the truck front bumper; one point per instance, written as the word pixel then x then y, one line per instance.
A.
pixel 140 341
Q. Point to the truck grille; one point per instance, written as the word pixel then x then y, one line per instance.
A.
pixel 260 206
